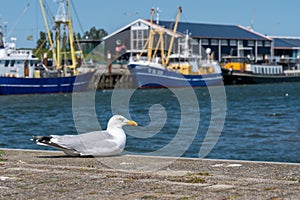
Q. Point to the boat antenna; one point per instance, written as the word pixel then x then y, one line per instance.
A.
pixel 151 35
pixel 61 14
pixel 77 17
pixel 18 20
pixel 158 11
pixel 252 21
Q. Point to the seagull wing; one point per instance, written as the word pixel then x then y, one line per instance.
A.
pixel 96 143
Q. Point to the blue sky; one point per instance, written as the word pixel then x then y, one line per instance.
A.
pixel 271 17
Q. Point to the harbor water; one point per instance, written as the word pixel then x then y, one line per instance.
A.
pixel 262 122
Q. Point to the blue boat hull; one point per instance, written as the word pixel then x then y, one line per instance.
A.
pixel 151 77
pixel 9 85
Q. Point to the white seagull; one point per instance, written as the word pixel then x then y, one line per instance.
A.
pixel 109 142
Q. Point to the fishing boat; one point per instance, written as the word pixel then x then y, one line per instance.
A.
pixel 240 70
pixel 22 73
pixel 182 69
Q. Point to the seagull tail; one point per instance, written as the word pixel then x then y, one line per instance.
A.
pixel 42 140
pixel 46 141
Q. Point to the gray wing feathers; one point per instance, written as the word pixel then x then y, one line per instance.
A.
pixel 93 143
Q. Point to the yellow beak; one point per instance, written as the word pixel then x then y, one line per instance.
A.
pixel 131 123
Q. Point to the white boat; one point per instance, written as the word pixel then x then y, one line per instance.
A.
pixel 22 73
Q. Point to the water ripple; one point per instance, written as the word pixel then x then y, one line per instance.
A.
pixel 262 123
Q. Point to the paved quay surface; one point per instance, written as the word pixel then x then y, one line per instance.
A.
pixel 51 175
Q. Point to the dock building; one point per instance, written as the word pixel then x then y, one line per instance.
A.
pixel 287 48
pixel 223 40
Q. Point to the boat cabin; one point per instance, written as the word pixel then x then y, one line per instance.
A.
pixel 189 66
pixel 243 64
pixel 17 63
pixel 235 63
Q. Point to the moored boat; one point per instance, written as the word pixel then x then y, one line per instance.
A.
pixel 240 70
pixel 181 72
pixel 183 69
pixel 22 73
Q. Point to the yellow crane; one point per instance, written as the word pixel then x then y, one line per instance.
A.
pixel 174 32
pixel 160 43
pixel 64 20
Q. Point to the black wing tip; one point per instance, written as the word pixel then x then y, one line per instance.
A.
pixel 46 141
pixel 41 139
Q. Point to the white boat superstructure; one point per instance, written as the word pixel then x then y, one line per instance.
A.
pixel 20 73
pixel 16 63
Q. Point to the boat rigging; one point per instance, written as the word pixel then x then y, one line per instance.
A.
pixel 169 69
pixel 149 44
pixel 63 22
pixel 20 72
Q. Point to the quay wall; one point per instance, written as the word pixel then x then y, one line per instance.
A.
pixel 118 75
pixel 30 174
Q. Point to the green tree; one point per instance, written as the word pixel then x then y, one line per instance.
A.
pixel 42 41
pixel 44 46
pixel 78 36
pixel 95 34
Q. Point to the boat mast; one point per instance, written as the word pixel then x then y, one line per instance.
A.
pixel 150 39
pixel 71 38
pixel 48 31
pixel 63 21
pixel 174 32
pixel 150 54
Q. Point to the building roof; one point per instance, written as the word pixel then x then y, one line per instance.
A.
pixel 146 22
pixel 286 42
pixel 202 30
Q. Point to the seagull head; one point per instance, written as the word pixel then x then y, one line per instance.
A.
pixel 118 121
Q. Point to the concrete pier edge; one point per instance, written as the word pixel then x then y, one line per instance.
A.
pixel 35 174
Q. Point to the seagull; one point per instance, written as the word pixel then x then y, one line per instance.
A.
pixel 109 142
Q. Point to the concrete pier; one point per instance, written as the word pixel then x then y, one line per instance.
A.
pixel 108 78
pixel 26 174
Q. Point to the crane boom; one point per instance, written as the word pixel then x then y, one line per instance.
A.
pixel 48 31
pixel 174 32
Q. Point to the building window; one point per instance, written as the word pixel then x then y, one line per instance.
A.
pixel 224 42
pixel 233 43
pixel 204 42
pixel 259 43
pixel 250 43
pixel 140 45
pixel 267 44
pixel 214 42
pixel 139 36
